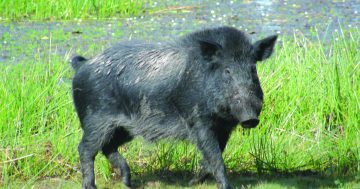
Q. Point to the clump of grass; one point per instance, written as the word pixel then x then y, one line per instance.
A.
pixel 310 120
pixel 66 10
pixel 38 123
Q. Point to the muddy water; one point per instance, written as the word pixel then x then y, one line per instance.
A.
pixel 28 40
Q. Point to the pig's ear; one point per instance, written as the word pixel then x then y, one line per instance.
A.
pixel 264 48
pixel 209 49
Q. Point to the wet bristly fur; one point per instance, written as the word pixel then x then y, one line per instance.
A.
pixel 168 90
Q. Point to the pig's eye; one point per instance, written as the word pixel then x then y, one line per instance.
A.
pixel 227 71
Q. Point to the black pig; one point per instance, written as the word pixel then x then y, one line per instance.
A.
pixel 198 87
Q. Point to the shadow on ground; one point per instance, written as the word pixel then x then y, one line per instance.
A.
pixel 304 179
pixel 238 180
pixel 180 179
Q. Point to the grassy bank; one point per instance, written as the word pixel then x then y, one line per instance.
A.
pixel 68 10
pixel 310 121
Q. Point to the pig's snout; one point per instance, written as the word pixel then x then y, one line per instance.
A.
pixel 247 118
pixel 247 113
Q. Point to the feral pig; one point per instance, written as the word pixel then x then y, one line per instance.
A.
pixel 198 87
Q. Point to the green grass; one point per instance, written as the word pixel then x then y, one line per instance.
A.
pixel 66 10
pixel 310 121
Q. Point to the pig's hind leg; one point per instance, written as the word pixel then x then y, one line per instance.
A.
pixel 117 161
pixel 102 132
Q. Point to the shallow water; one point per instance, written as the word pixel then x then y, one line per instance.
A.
pixel 21 40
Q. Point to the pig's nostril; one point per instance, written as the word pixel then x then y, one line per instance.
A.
pixel 251 123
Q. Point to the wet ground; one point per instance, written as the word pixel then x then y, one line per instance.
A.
pixel 27 40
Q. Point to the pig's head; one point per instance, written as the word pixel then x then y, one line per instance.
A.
pixel 232 77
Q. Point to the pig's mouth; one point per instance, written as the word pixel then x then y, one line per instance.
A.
pixel 250 123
